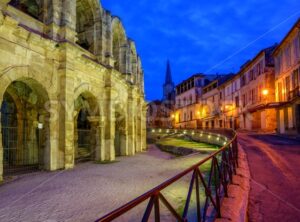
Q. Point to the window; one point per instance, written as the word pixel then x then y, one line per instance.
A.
pixel 252 96
pixel 243 80
pixel 237 101
pixel 220 95
pixel 280 92
pixel 295 80
pixel 287 85
pixel 184 117
pixel 220 123
pixel 259 68
pixel 244 100
pixel 251 75
pixel 191 99
pixel 191 115
pixel 288 56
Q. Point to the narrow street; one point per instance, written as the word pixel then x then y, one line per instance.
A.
pixel 275 177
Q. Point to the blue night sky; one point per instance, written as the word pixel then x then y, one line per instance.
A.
pixel 201 36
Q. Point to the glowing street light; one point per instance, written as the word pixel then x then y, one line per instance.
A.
pixel 265 92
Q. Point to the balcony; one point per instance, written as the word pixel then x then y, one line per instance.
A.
pixel 294 94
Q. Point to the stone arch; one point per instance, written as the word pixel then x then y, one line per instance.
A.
pixel 88 23
pixel 25 131
pixel 86 122
pixel 33 8
pixel 121 143
pixel 119 45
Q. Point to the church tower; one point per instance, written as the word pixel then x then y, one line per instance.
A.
pixel 169 86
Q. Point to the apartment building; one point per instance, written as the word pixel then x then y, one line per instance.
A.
pixel 188 104
pixel 257 93
pixel 230 91
pixel 287 62
pixel 212 103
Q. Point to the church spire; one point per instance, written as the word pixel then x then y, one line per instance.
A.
pixel 168 87
pixel 168 74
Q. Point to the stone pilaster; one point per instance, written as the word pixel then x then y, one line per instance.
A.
pixel 107 38
pixel 124 137
pixel 68 20
pixel 131 125
pixel 4 3
pixel 138 127
pixel 109 121
pixel 1 146
pixel 53 158
pixel 66 123
pixel 144 126
pixel 95 137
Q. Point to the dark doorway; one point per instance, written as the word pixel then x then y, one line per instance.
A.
pixel 84 152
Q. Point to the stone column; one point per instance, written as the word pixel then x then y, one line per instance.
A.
pixel 109 122
pixel 98 40
pixel 53 158
pixel 95 137
pixel 66 112
pixel 144 126
pixel 107 38
pixel 124 137
pixel 138 127
pixel 1 145
pixel 131 126
pixel 68 21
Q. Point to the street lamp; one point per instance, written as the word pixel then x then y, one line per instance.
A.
pixel 265 92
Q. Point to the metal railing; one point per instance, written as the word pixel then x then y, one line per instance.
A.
pixel 224 163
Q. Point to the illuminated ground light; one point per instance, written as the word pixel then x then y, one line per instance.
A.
pixel 209 136
pixel 159 131
pixel 218 138
pixel 153 131
pixel 168 131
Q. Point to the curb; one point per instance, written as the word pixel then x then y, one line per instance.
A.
pixel 235 207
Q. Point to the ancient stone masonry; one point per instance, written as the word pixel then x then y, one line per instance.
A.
pixel 71 86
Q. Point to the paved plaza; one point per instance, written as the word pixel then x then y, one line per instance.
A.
pixel 90 190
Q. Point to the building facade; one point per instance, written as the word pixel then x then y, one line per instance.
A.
pixel 188 105
pixel 71 85
pixel 257 93
pixel 287 71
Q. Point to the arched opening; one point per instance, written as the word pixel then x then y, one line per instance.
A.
pixel 85 25
pixel 120 132
pixel 30 7
pixel 119 46
pixel 24 127
pixel 85 127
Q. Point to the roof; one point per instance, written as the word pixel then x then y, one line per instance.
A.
pixel 191 77
pixel 295 26
pixel 221 80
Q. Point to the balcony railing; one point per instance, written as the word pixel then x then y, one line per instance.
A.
pixel 294 94
pixel 223 166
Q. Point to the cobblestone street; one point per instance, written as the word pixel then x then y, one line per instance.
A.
pixel 89 191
